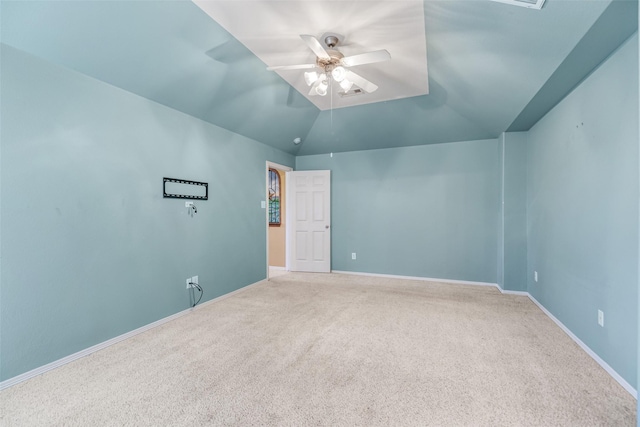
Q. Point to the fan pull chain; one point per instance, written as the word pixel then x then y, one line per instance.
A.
pixel 331 103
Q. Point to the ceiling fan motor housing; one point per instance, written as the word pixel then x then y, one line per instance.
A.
pixel 331 41
pixel 335 59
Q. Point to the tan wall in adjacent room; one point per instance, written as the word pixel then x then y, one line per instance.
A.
pixel 276 234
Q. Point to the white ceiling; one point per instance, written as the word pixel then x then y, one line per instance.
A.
pixel 271 30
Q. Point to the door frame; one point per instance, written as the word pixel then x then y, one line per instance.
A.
pixel 283 169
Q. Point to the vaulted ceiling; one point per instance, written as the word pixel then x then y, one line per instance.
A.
pixel 492 67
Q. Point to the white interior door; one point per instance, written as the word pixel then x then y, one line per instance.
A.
pixel 309 195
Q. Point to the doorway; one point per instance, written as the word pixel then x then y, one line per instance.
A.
pixel 276 218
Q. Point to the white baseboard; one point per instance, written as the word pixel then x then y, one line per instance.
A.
pixel 87 351
pixel 508 292
pixel 230 294
pixel 586 348
pixel 271 267
pixel 424 279
pixel 571 335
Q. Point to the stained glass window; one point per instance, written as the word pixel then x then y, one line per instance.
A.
pixel 274 197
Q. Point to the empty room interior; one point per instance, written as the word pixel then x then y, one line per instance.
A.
pixel 319 212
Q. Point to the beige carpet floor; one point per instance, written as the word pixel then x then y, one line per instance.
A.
pixel 320 349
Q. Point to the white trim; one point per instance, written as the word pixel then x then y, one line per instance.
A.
pixel 87 351
pixel 271 267
pixel 288 224
pixel 571 335
pixel 227 295
pixel 278 166
pixel 285 169
pixel 424 279
pixel 508 292
pixel 586 348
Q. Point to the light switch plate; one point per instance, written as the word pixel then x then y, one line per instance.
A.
pixel 600 318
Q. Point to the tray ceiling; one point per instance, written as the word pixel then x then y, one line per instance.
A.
pixel 272 32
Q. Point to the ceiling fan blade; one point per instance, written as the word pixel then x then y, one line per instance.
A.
pixel 315 46
pixel 360 81
pixel 366 58
pixel 291 67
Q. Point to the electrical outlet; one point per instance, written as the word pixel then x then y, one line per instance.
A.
pixel 353 255
pixel 535 276
pixel 191 280
pixel 600 318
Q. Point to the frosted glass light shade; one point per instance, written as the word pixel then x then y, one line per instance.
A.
pixel 321 89
pixel 310 77
pixel 338 73
pixel 346 85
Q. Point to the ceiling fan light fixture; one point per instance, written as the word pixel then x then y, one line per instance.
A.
pixel 346 85
pixel 330 65
pixel 321 89
pixel 310 77
pixel 338 73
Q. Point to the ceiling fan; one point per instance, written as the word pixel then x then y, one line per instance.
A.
pixel 333 65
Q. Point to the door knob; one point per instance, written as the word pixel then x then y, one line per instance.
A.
pixel 326 226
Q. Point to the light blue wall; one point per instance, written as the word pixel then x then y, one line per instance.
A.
pixel 428 211
pixel 582 207
pixel 515 211
pixel 90 249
